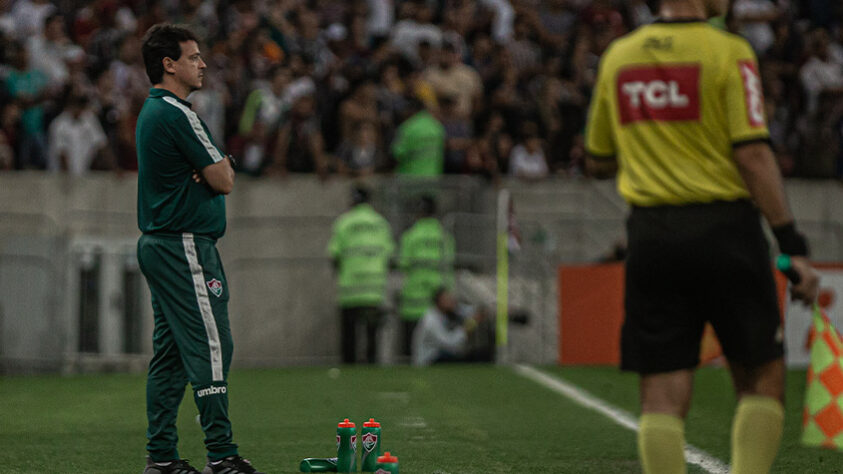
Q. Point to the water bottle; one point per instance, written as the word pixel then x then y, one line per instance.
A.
pixel 371 441
pixel 346 446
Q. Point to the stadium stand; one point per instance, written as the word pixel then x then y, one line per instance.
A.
pixel 313 85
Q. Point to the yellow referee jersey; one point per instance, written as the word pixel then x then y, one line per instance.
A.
pixel 671 101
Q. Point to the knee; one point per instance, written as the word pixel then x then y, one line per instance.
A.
pixel 668 393
pixel 767 380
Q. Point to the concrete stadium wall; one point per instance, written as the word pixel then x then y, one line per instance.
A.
pixel 282 306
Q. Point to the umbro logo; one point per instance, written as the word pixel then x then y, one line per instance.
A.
pixel 215 286
pixel 210 391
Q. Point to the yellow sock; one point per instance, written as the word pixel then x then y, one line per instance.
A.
pixel 756 434
pixel 661 444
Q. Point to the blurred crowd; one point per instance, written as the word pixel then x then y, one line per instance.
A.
pixel 354 87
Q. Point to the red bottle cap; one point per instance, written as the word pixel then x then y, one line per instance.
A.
pixel 387 458
pixel 371 424
pixel 345 424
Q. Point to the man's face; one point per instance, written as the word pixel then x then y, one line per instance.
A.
pixel 189 70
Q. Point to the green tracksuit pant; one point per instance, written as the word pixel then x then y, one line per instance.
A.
pixel 191 341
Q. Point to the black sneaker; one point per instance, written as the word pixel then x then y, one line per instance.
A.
pixel 182 466
pixel 230 465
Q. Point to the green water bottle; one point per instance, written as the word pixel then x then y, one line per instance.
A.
pixel 387 464
pixel 346 446
pixel 318 465
pixel 371 441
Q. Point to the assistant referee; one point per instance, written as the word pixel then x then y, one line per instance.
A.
pixel 678 113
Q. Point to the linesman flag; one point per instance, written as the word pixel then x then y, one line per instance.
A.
pixel 822 420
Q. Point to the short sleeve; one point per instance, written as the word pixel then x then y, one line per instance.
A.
pixel 599 141
pixel 744 97
pixel 192 137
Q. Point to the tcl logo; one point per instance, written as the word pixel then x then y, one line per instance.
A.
pixel 659 93
pixel 753 93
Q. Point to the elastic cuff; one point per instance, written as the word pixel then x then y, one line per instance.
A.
pixel 790 241
pixel 761 402
pixel 219 456
pixel 164 456
pixel 663 420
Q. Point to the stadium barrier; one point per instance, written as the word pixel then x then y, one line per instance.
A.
pixel 71 298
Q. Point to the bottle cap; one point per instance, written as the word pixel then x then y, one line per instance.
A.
pixel 371 424
pixel 387 458
pixel 345 424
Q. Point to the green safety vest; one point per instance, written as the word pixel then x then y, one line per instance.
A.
pixel 419 146
pixel 427 260
pixel 362 243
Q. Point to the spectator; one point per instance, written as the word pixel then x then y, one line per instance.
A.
pixel 360 156
pixel 503 17
pixel 381 15
pixel 497 142
pixel 458 133
pixel 29 16
pixel 361 106
pixel 414 28
pixel 261 118
pixel 755 18
pixel 48 50
pixel 361 247
pixel 300 146
pixel 77 139
pixel 453 78
pixel 128 72
pixel 106 38
pixel 524 50
pixel 819 75
pixel 442 334
pixel 419 144
pixel 27 87
pixel 9 116
pixel 527 160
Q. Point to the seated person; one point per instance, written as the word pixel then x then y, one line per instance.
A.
pixel 442 333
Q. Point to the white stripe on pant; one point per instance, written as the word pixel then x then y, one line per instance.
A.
pixel 204 306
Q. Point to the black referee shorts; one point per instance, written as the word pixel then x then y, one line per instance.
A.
pixel 691 264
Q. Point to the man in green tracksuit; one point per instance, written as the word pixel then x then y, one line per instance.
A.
pixel 182 179
pixel 426 258
pixel 361 246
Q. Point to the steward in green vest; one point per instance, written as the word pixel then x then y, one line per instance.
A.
pixel 426 260
pixel 361 247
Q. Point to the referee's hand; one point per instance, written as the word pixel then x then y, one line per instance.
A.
pixel 809 283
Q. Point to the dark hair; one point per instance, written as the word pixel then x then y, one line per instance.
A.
pixel 163 41
pixel 360 194
pixel 438 293
pixel 427 205
pixel 52 16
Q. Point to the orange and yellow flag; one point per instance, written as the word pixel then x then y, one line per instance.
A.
pixel 822 419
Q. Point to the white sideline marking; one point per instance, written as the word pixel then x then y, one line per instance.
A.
pixel 693 455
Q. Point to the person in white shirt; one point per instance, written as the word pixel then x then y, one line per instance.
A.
pixel 76 138
pixel 527 160
pixel 414 28
pixel 755 17
pixel 442 333
pixel 48 51
pixel 820 75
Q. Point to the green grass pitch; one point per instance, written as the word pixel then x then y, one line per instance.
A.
pixel 458 419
